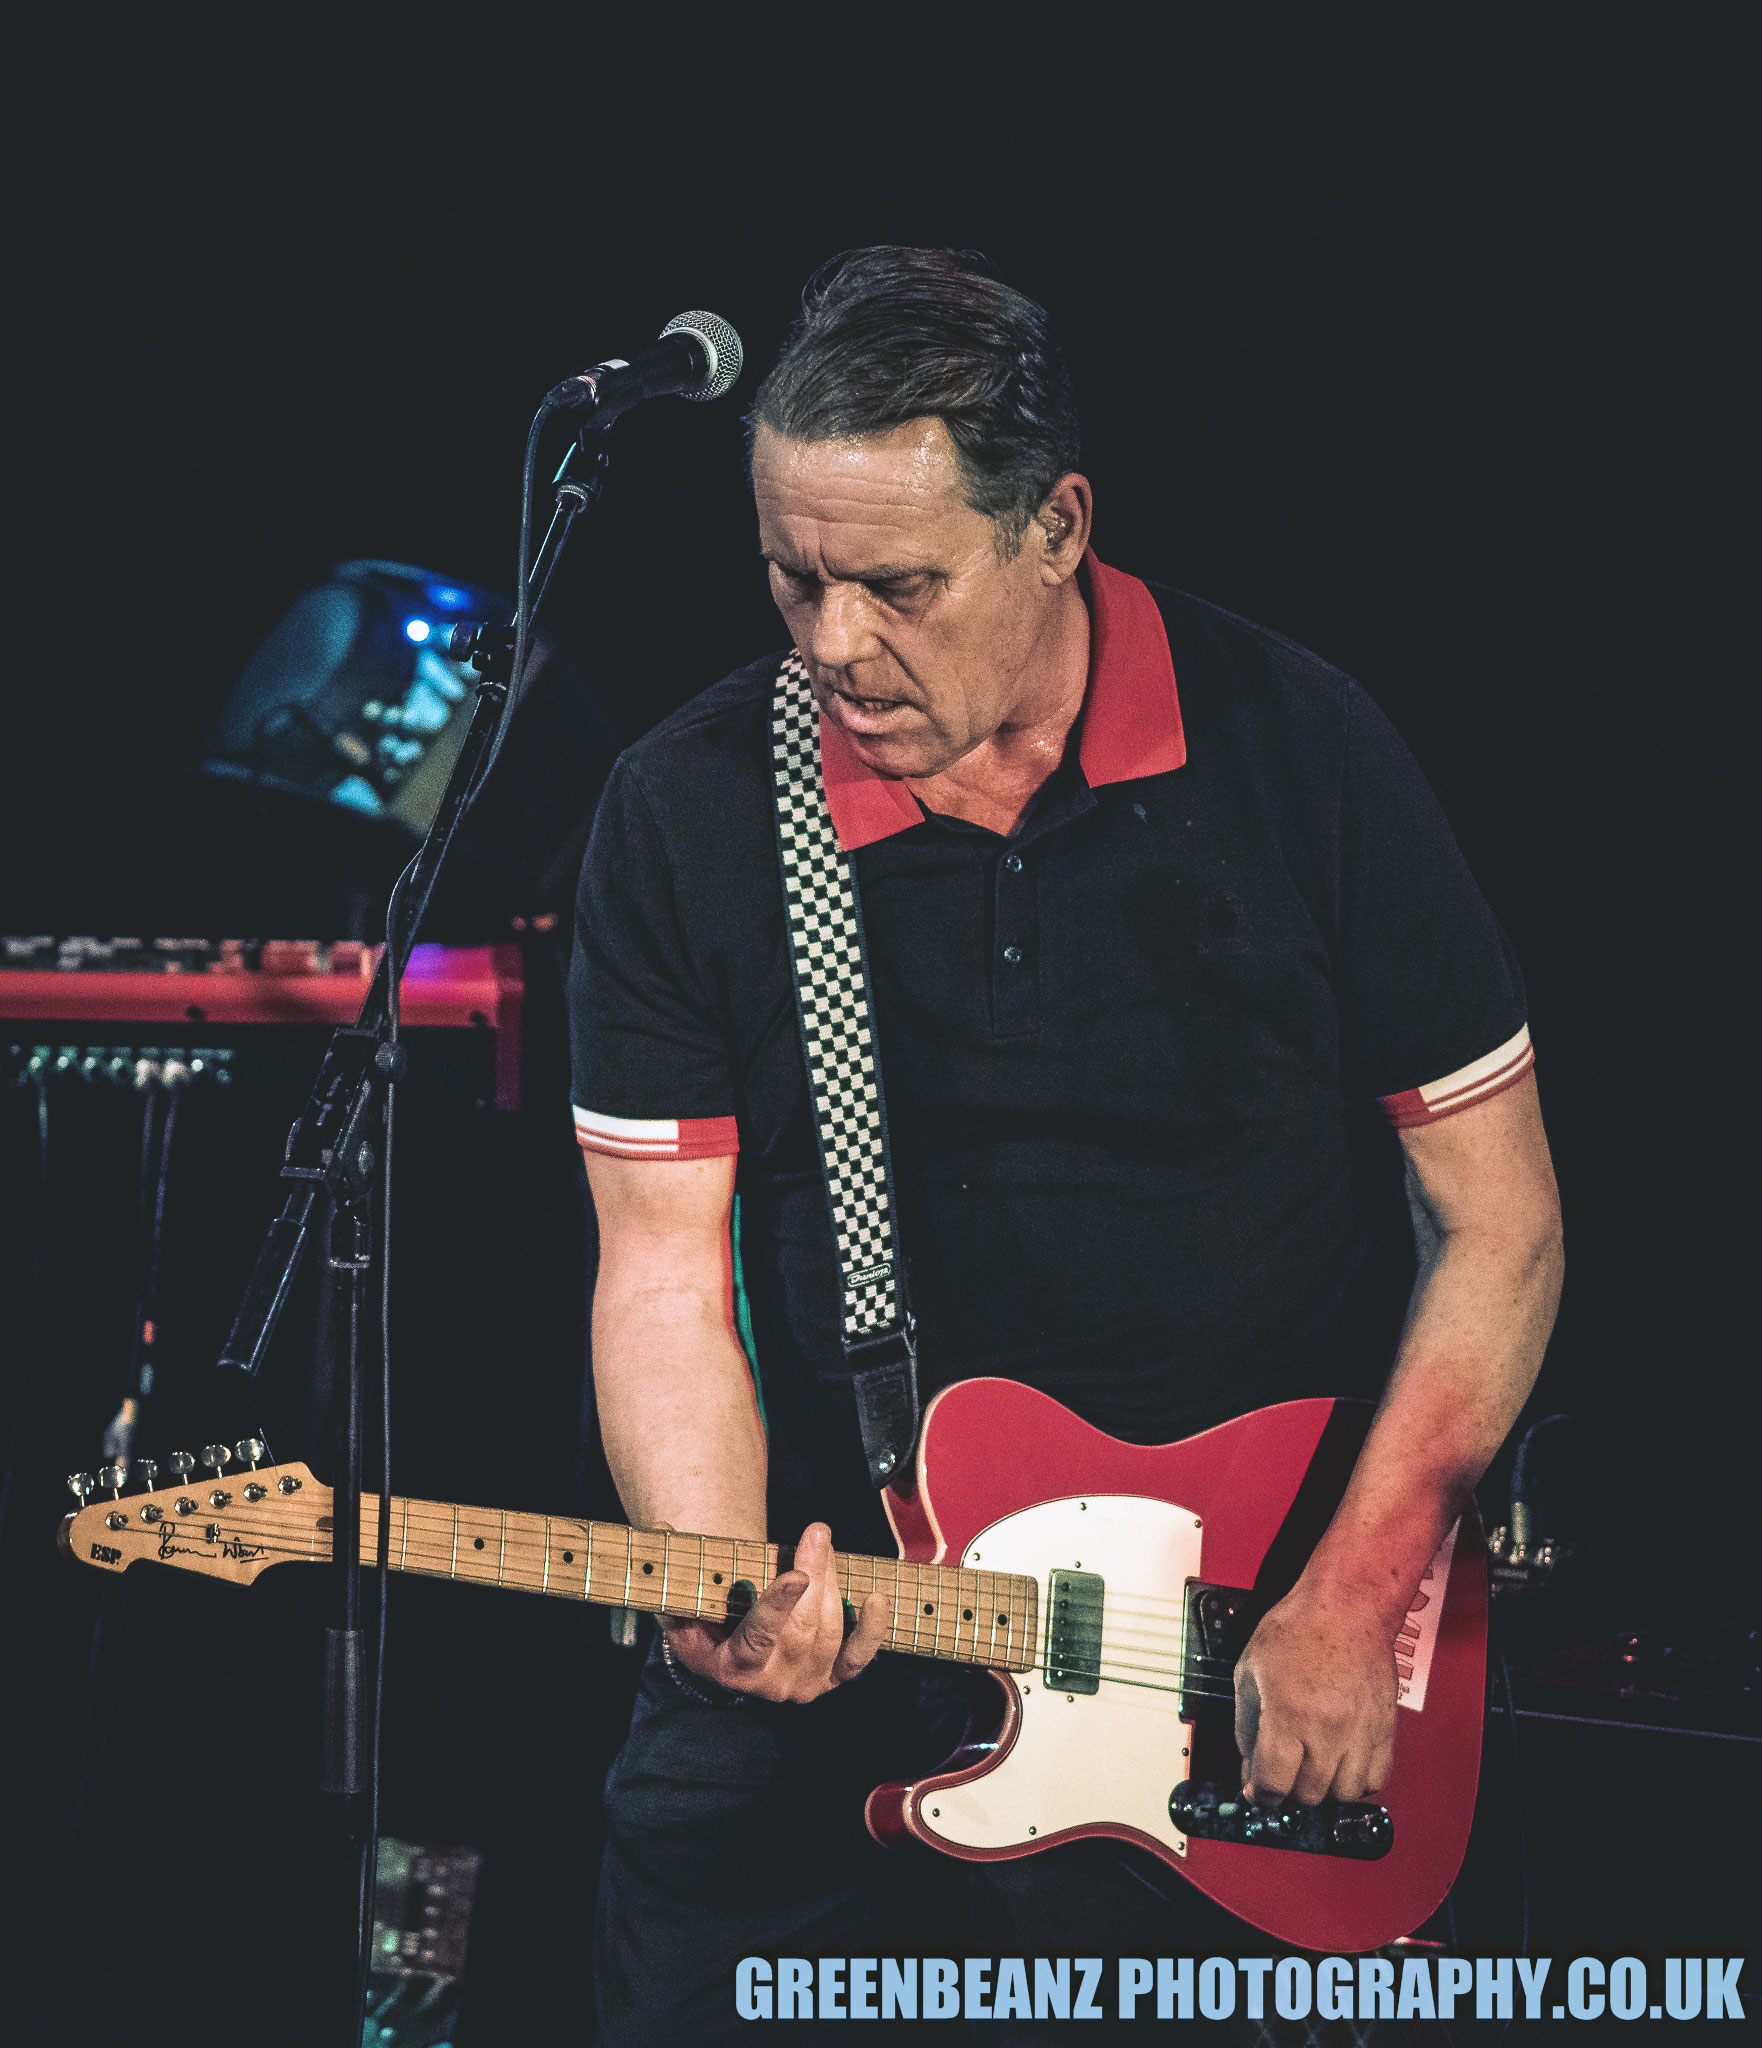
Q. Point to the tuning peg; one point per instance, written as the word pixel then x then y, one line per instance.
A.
pixel 180 1465
pixel 79 1484
pixel 148 1471
pixel 113 1476
pixel 216 1456
pixel 249 1450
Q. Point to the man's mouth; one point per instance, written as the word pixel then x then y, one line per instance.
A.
pixel 867 714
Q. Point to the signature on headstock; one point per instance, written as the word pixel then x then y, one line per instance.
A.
pixel 217 1545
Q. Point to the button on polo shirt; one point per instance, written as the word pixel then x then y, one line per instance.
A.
pixel 1140 1057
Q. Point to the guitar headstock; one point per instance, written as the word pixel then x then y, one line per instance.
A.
pixel 227 1526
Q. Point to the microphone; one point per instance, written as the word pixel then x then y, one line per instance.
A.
pixel 697 356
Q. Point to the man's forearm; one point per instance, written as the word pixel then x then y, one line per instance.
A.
pixel 677 1411
pixel 1473 1345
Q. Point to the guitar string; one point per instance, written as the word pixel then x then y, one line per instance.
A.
pixel 1107 1669
pixel 439 1518
pixel 516 1547
pixel 518 1557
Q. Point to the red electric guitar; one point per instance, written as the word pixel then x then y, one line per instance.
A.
pixel 1107 1587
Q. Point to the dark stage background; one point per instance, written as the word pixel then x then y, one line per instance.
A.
pixel 1410 347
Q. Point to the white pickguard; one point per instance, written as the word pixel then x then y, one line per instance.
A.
pixel 1113 1755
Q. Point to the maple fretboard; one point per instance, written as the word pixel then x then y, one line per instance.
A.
pixel 965 1617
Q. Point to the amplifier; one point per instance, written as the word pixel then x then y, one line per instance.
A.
pixel 181 1012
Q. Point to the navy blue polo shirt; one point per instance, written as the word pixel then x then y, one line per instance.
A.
pixel 1141 1058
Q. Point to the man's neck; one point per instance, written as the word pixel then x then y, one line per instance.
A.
pixel 994 784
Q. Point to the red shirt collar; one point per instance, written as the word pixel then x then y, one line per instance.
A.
pixel 1131 716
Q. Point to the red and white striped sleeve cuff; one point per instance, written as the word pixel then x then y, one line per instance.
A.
pixel 1474 1083
pixel 661 1137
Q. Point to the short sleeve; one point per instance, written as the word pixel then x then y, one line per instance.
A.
pixel 649 1053
pixel 1432 1005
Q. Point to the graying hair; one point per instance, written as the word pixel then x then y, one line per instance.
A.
pixel 888 335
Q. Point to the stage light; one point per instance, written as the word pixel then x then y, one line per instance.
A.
pixel 354 699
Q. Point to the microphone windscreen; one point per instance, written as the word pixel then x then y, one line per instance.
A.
pixel 722 344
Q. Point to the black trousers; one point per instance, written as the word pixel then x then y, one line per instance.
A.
pixel 738 1831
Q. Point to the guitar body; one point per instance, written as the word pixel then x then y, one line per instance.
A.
pixel 1006 1479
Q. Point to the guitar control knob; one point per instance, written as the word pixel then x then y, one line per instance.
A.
pixel 79 1484
pixel 216 1456
pixel 148 1471
pixel 113 1476
pixel 249 1449
pixel 1274 1824
pixel 180 1465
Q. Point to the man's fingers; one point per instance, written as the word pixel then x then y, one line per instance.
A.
pixel 767 1621
pixel 1382 1762
pixel 1274 1766
pixel 865 1639
pixel 1351 1775
pixel 1247 1714
pixel 1315 1779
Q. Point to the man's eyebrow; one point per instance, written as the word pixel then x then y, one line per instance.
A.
pixel 887 572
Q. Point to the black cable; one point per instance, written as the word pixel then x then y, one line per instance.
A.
pixel 398 945
pixel 523 595
pixel 383 1531
pixel 147 1302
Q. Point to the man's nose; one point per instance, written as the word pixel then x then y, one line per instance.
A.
pixel 841 627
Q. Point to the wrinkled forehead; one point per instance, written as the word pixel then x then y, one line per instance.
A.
pixel 836 503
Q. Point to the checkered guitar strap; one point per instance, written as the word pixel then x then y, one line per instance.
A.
pixel 830 965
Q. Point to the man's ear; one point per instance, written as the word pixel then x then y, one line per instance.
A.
pixel 1062 527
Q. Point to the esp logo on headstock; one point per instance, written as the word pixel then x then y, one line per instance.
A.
pixel 104 1553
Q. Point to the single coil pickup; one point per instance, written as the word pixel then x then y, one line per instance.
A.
pixel 1073 1631
pixel 1333 1827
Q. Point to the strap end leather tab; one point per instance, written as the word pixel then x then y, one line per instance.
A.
pixel 887 1408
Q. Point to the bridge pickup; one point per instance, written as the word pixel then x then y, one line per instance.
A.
pixel 1073 1633
pixel 1335 1827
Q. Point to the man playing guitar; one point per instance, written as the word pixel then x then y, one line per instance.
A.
pixel 1176 968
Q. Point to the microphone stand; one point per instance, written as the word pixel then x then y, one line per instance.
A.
pixel 332 1163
